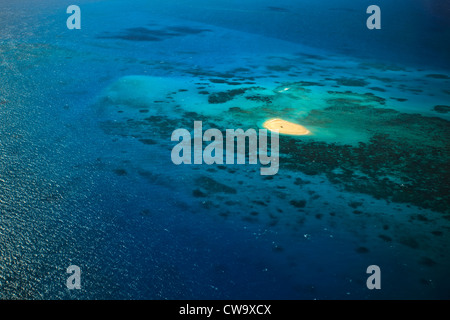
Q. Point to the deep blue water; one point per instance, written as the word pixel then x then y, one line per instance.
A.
pixel 87 179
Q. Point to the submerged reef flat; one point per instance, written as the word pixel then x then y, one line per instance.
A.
pixel 387 167
pixel 353 138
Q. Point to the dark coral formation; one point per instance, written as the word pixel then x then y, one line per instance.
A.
pixel 344 99
pixel 277 9
pixel 420 175
pixel 213 186
pixel 362 250
pixel 437 76
pixel 225 96
pixel 155 34
pixel 426 261
pixel 351 82
pixel 380 66
pixel 260 98
pixel 442 109
pixel 405 160
pixel 377 89
pixel 298 203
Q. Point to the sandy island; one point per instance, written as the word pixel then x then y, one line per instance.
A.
pixel 286 127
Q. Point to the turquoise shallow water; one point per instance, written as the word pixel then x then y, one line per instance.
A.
pixel 86 176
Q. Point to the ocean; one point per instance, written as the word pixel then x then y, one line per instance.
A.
pixel 87 170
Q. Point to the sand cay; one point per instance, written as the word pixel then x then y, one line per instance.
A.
pixel 286 127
